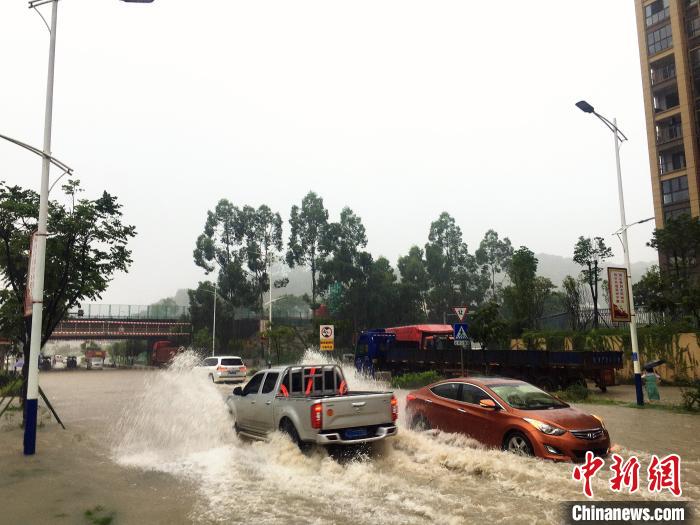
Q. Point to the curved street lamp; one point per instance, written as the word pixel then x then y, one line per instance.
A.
pixel 31 404
pixel 619 138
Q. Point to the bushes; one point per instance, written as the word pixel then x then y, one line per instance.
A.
pixel 691 396
pixel 415 380
pixel 574 393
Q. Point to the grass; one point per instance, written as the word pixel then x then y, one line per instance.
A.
pixel 99 516
pixel 12 388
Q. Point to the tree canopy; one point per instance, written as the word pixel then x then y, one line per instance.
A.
pixel 86 245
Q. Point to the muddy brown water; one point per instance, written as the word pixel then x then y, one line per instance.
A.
pixel 174 427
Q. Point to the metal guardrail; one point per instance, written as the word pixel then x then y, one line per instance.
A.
pixel 170 312
pixel 128 311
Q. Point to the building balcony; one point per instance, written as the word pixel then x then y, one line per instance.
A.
pixel 663 74
pixel 669 134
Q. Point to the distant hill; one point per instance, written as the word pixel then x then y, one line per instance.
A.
pixel 556 267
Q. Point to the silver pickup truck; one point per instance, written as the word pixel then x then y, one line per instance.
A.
pixel 312 404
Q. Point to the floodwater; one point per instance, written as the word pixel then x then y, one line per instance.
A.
pixel 179 425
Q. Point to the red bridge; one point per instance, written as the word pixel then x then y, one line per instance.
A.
pixel 99 321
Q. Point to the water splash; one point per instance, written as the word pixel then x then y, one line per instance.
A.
pixel 180 425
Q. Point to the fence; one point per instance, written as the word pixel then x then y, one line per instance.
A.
pixel 129 311
pixel 565 321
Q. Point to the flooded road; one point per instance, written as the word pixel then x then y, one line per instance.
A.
pixel 178 424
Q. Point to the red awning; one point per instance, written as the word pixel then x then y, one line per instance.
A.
pixel 416 332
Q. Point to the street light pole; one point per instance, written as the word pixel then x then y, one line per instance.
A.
pixel 625 249
pixel 213 329
pixel 37 291
pixel 31 404
pixel 619 137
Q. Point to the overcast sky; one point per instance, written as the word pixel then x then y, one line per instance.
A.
pixel 398 109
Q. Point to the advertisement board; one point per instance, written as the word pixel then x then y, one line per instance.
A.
pixel 619 295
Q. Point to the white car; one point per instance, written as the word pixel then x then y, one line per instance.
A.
pixel 224 368
pixel 95 363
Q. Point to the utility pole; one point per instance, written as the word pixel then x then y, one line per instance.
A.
pixel 213 329
pixel 31 405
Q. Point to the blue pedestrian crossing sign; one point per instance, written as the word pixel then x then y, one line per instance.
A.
pixel 460 332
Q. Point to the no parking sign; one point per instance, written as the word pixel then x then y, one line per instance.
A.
pixel 327 337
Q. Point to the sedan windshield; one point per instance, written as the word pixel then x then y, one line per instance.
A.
pixel 524 396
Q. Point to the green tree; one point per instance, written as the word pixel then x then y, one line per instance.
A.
pixel 573 298
pixel 343 259
pixel 308 225
pixel 453 273
pixel 487 327
pixel 527 293
pixel 413 287
pixel 677 286
pixel 494 256
pixel 651 292
pixel 219 247
pixel 263 243
pixel 590 254
pixel 86 246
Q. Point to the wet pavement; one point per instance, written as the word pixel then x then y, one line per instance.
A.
pixel 150 434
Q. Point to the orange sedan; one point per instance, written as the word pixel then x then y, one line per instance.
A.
pixel 508 414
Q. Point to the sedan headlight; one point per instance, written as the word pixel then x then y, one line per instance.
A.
pixel 545 428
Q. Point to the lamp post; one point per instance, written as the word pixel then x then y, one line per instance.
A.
pixel 213 328
pixel 31 403
pixel 619 138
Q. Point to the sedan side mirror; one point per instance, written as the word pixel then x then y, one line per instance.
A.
pixel 238 391
pixel 488 403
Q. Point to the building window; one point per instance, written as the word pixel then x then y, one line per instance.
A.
pixel 659 39
pixel 666 99
pixel 675 190
pixel 693 27
pixel 669 130
pixel 656 12
pixel 663 70
pixel 674 214
pixel 671 160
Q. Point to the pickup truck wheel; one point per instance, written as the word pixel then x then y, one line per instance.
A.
pixel 236 428
pixel 287 427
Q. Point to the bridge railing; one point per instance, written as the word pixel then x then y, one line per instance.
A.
pixel 129 311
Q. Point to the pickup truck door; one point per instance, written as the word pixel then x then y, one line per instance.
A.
pixel 262 413
pixel 247 402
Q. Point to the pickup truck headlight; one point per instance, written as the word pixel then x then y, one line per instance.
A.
pixel 545 428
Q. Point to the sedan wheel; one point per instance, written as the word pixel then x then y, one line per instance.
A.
pixel 519 445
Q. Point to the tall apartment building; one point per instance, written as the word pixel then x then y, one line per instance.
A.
pixel 669 49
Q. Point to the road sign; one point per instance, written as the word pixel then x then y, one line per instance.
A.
pixel 327 337
pixel 460 332
pixel 462 342
pixel 461 311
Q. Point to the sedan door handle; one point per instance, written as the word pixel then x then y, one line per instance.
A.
pixel 462 410
pixel 428 401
